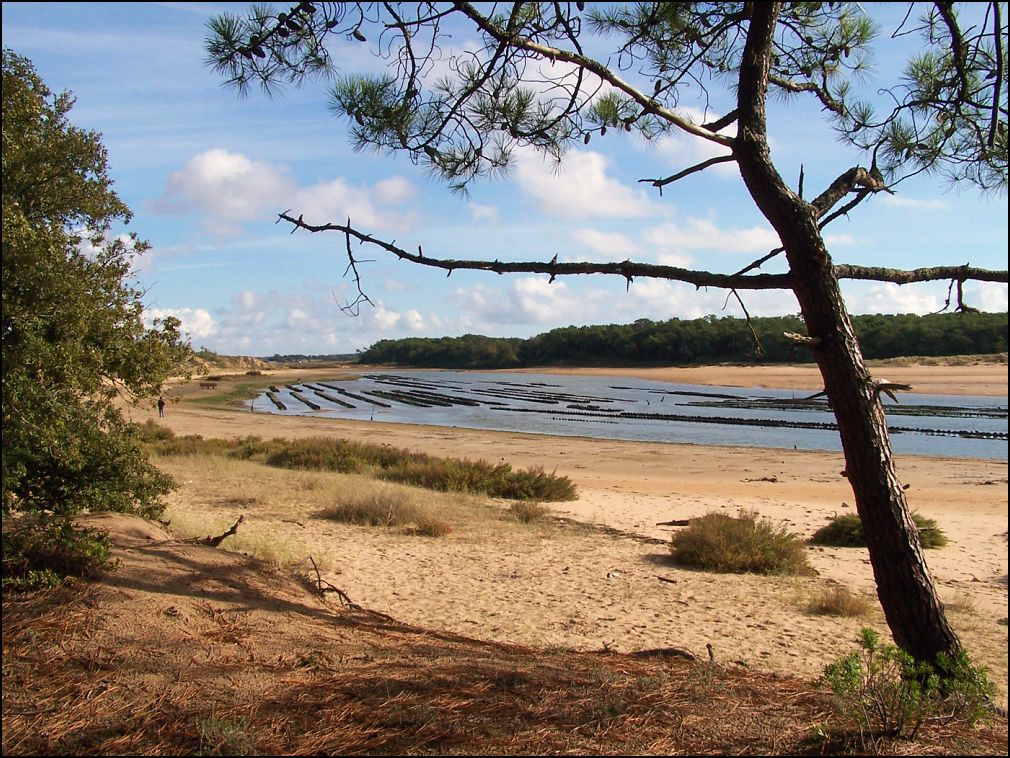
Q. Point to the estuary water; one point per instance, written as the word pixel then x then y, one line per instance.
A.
pixel 635 409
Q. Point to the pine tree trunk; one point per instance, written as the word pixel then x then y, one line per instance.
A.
pixel 904 586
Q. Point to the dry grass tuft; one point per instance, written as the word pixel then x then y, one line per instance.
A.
pixel 528 511
pixel 839 601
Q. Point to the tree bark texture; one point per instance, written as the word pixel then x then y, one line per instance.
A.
pixel 904 586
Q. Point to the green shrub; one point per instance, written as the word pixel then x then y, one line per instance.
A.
pixel 846 530
pixel 152 431
pixel 317 454
pixel 42 552
pixel 887 694
pixel 717 542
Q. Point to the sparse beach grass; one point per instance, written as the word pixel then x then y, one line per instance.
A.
pixel 381 461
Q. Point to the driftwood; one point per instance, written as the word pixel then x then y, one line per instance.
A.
pixel 215 541
pixel 666 579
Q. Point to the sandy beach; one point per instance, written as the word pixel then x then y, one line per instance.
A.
pixel 601 577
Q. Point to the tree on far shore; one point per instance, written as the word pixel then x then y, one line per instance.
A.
pixel 533 84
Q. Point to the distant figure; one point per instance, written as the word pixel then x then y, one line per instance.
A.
pixel 161 406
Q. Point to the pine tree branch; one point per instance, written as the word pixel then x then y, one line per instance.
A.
pixel 595 67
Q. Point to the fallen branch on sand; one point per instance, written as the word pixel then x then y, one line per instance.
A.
pixel 323 586
pixel 215 541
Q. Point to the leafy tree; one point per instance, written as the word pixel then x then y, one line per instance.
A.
pixel 533 84
pixel 73 335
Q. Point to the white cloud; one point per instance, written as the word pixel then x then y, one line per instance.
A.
pixel 196 322
pixel 676 242
pixel 526 300
pixel 987 296
pixel 396 189
pixel 229 188
pixel 900 201
pixel 579 188
pixel 607 245
pixel 483 213
pixel 887 297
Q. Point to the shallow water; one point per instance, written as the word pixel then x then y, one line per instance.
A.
pixel 635 409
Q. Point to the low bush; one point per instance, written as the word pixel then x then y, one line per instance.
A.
pixel 846 530
pixel 40 553
pixel 887 694
pixel 317 454
pixel 741 544
pixel 152 431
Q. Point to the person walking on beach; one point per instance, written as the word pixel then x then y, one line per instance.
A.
pixel 161 406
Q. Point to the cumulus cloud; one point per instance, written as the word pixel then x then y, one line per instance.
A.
pixel 605 245
pixel 524 301
pixel 887 297
pixel 229 189
pixel 676 242
pixel 196 322
pixel 580 188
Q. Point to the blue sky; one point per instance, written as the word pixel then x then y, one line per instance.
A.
pixel 205 172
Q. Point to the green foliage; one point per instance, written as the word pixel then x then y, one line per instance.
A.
pixel 741 544
pixel 846 530
pixel 886 693
pixel 384 462
pixel 42 552
pixel 72 330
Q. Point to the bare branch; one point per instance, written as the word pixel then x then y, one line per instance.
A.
pixel 758 347
pixel 857 176
pixel 630 269
pixel 660 183
pixel 932 274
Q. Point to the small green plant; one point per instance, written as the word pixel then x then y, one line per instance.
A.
pixel 846 530
pixel 741 544
pixel 888 694
pixel 838 601
pixel 221 736
pixel 41 553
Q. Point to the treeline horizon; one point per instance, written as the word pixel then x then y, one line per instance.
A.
pixel 710 339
